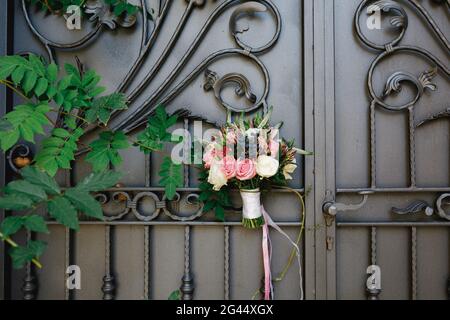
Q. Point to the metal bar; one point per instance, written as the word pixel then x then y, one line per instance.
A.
pixel 6 95
pixel 66 262
pixel 372 293
pixel 414 263
pixel 146 262
pixel 395 190
pixel 189 189
pixel 109 285
pixel 412 147
pixel 308 93
pixel 30 283
pixel 227 263
pixel 393 224
pixel 373 155
pixel 173 223
pixel 187 286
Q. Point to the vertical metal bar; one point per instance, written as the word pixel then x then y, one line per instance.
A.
pixel 66 263
pixel 308 85
pixel 227 264
pixel 187 286
pixel 372 294
pixel 373 155
pixel 6 47
pixel 186 152
pixel 412 147
pixel 146 262
pixel 109 286
pixel 30 284
pixel 414 263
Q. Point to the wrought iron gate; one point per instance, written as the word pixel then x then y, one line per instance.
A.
pixel 310 60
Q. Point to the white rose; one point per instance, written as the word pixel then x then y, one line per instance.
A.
pixel 266 166
pixel 217 175
pixel 288 169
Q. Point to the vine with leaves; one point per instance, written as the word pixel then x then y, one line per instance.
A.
pixel 117 7
pixel 75 95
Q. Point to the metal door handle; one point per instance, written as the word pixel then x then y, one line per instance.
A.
pixel 331 208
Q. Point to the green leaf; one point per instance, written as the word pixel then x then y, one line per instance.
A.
pixel 157 131
pixel 5 125
pixel 26 121
pixel 41 87
pixel 175 295
pixel 29 81
pixel 35 223
pixel 171 177
pixel 39 178
pixel 85 203
pixel 52 72
pixel 62 210
pixel 15 202
pixel 220 213
pixel 25 188
pixel 11 225
pixel 102 107
pixel 105 150
pixel 99 181
pixel 58 150
pixel 21 255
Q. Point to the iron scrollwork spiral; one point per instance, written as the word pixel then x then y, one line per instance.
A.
pixel 392 47
pixel 151 29
pixel 117 204
pixel 420 206
pixel 394 83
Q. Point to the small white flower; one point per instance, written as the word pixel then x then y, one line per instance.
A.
pixel 288 169
pixel 266 166
pixel 217 175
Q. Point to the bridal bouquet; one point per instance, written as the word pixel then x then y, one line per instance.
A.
pixel 247 155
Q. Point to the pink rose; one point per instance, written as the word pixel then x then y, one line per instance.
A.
pixel 229 167
pixel 246 169
pixel 214 152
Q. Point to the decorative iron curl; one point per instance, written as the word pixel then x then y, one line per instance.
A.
pixel 19 151
pixel 136 118
pixel 120 203
pixel 100 16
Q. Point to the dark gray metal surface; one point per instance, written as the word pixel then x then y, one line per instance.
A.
pixel 309 63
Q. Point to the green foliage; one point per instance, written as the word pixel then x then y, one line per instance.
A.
pixel 25 122
pixel 105 150
pixel 99 181
pixel 121 6
pixel 213 200
pixel 102 108
pixel 38 188
pixel 58 150
pixel 175 295
pixel 157 131
pixel 21 255
pixel 13 224
pixel 118 7
pixel 30 73
pixel 171 177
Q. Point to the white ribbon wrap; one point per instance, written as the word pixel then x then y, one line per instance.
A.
pixel 251 204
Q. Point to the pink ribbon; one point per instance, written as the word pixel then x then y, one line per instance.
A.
pixel 267 255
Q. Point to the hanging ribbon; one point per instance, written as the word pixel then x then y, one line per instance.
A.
pixel 267 255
